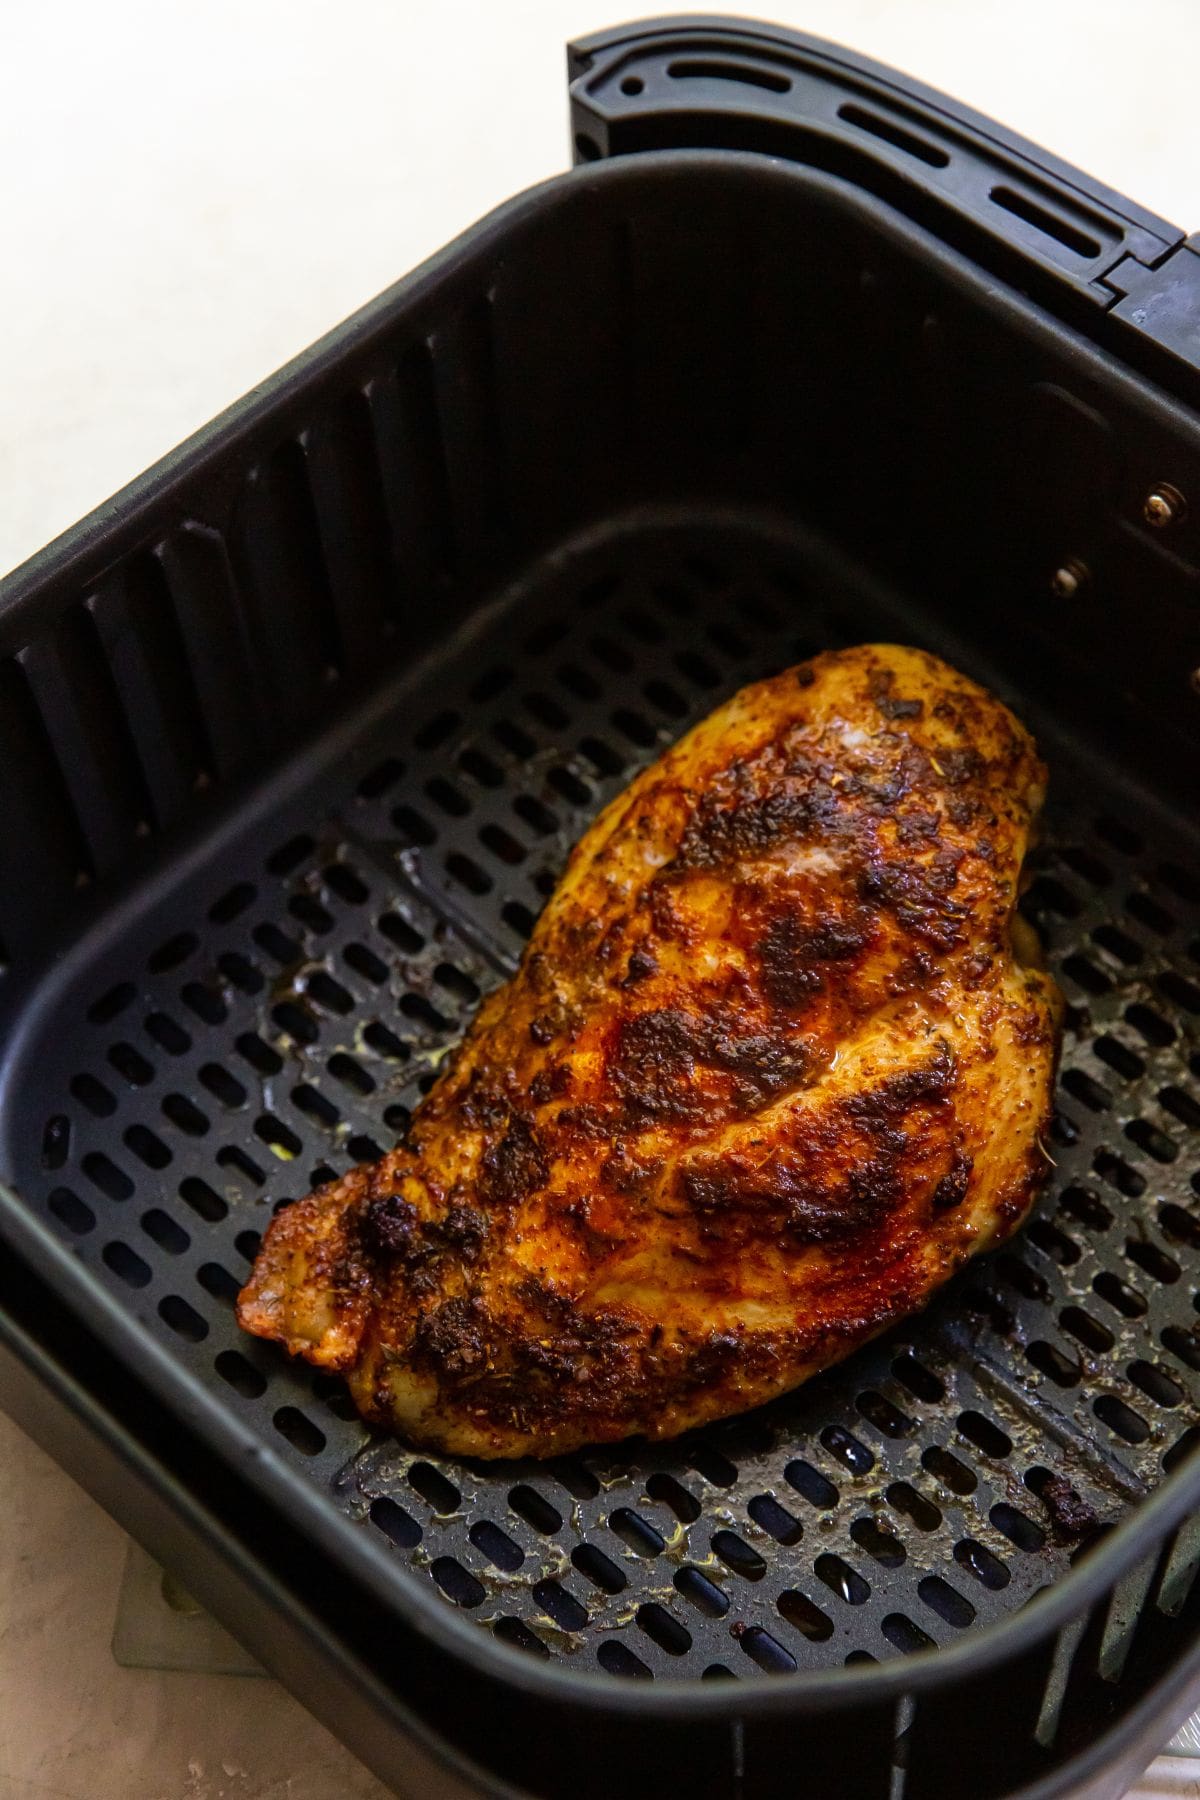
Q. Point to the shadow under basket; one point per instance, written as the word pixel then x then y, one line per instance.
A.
pixel 294 739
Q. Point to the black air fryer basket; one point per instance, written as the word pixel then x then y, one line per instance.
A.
pixel 294 736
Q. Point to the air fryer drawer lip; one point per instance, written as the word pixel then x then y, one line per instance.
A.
pixel 133 517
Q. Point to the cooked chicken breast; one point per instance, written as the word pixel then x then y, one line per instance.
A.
pixel 771 1070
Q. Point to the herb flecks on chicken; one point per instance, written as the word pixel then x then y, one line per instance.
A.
pixel 771 1070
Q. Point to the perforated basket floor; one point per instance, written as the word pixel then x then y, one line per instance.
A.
pixel 268 1022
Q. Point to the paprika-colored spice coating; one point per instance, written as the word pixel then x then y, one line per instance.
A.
pixel 771 1069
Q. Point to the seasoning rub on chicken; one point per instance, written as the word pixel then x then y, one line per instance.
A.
pixel 772 1068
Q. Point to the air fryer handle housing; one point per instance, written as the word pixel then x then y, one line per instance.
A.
pixel 717 82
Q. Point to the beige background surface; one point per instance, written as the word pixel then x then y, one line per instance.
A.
pixel 191 193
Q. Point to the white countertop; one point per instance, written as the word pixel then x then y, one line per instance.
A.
pixel 193 191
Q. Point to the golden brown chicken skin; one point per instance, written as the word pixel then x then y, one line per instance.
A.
pixel 770 1071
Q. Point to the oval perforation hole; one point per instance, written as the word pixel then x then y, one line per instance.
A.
pixel 447 798
pixel 1049 1360
pixel 1086 975
pixel 307 910
pixel 1183 1342
pixel 1018 1529
pixel 599 1569
pixel 710 1463
pixel 1119 1057
pixel 1121 1419
pixel 1148 912
pixel 131 1065
pixel 537 1511
pixel 1080 1085
pixel 380 778
pixel 568 1613
pixel 282 949
pixel 111 1004
pixel 202 1199
pixel 636 1531
pixel 946 1601
pixel 458 1584
pixel 920 1382
pixel 1018 1274
pixel 618 1659
pixel 93 1095
pixel 979 1561
pixel 668 1492
pixel 398 931
pixel 905 1499
pixel 126 1263
pixel 568 784
pixel 182 1319
pixel 1127 1301
pixel 880 1544
pixel 279 1138
pixel 434 1487
pixel 364 1149
pixel 805 1616
pixel 218 1282
pixel 1089 1332
pixel 1150 1025
pixel 885 1417
pixel 468 874
pixel 497 1546
pixel 841 1579
pixel 103 1173
pixel 71 1211
pixel 146 1146
pixel 232 1156
pixel 185 1115
pixel 56 1141
pixel 947 1468
pixel 766 1651
pixel 703 1593
pixel 232 903
pixel 1054 1243
pixel 350 1073
pixel 289 856
pixel 260 1056
pixel 480 767
pixel 398 1526
pixel 163 1230
pixel 241 1375
pixel 364 962
pixel 848 1450
pixel 985 1434
pixel 511 1630
pixel 1155 1262
pixel 206 1002
pixel 518 918
pixel 1179 990
pixel 223 1086
pixel 664 1630
pixel 904 1635
pixel 738 1555
pixel 385 1043
pixel 1183 1446
pixel 175 951
pixel 299 1431
pixel 314 1105
pixel 1118 944
pixel 774 1519
pixel 1154 1142
pixel 1086 1206
pixel 811 1484
pixel 1155 1383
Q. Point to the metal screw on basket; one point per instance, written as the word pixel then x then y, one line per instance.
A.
pixel 1163 506
pixel 1068 579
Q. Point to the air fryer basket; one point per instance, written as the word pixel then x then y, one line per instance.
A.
pixel 293 743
